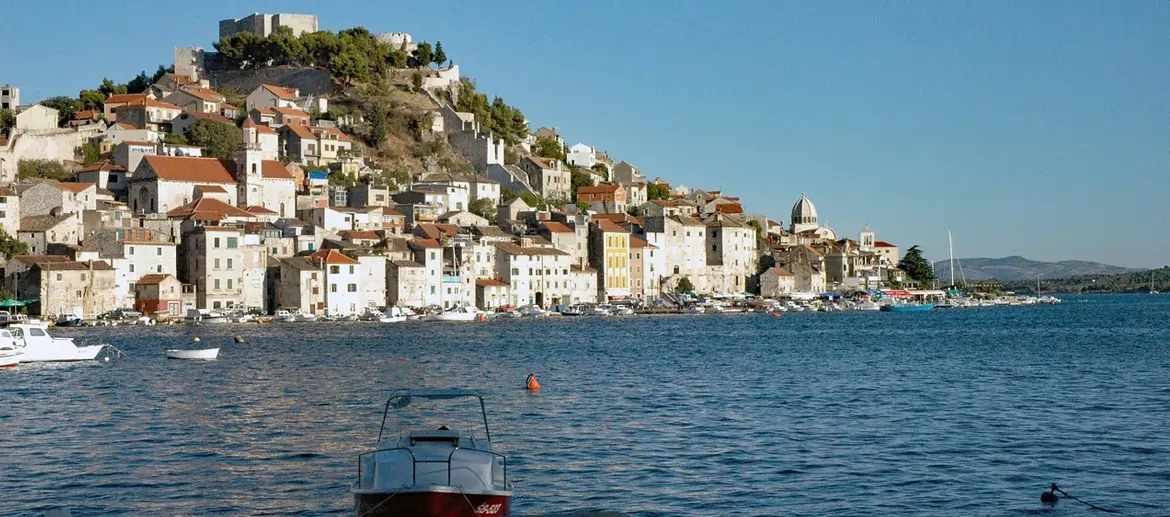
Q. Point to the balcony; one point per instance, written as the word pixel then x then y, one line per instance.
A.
pixel 452 279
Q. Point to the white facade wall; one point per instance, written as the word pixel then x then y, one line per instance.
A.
pixel 373 281
pixel 582 155
pixel 342 293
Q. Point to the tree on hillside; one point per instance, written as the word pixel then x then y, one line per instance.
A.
pixel 174 138
pixel 7 120
pixel 350 66
pixel 108 88
pixel 9 246
pixel 440 57
pixel 219 140
pixel 90 154
pixel 379 124
pixel 657 191
pixel 139 83
pixel 91 99
pixel 916 266
pixel 50 169
pixel 579 179
pixel 483 207
pixel 548 147
pixel 422 56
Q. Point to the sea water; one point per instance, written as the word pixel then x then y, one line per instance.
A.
pixel 951 412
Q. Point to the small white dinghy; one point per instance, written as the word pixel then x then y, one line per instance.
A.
pixel 205 354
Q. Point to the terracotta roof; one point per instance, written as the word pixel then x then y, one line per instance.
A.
pixel 124 126
pixel 96 265
pixel 773 223
pixel 544 163
pixel 812 249
pixel 76 188
pixel 638 242
pixel 390 211
pixel 178 79
pixel 331 257
pixel 147 102
pixel 256 209
pixel 425 243
pixel 779 271
pixel 599 189
pixel 104 166
pixel 618 218
pixel 210 188
pixel 29 260
pixel 491 282
pixel 211 170
pixel 199 115
pixel 152 279
pixel 208 206
pixel 359 235
pixel 578 269
pixel 337 134
pixel 609 226
pixel 260 128
pixel 729 208
pixel 302 131
pixel 265 111
pixel 291 112
pixel 555 227
pixel 884 244
pixel 40 223
pixel 281 92
pixel 206 94
pixel 124 98
pixel 515 249
pixel 85 115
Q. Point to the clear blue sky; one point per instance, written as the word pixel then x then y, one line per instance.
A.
pixel 1031 128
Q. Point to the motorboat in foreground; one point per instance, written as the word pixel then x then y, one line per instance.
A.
pixel 38 346
pixel 10 355
pixel 204 354
pixel 429 469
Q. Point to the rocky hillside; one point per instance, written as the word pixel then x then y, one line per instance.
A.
pixel 1020 268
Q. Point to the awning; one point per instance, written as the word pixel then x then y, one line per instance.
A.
pixel 13 302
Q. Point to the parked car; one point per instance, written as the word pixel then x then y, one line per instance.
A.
pixel 121 314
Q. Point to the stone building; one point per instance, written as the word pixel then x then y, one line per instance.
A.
pixel 262 24
pixel 84 289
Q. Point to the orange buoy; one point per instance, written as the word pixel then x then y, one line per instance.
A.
pixel 531 383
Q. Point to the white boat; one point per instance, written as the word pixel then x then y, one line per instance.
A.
pixel 204 354
pixel 532 311
pixel 7 318
pixel 420 467
pixel 622 310
pixel 10 355
pixel 462 313
pixel 304 316
pixel 573 310
pixel 204 316
pixel 597 310
pixel 716 309
pixel 38 346
pixel 694 309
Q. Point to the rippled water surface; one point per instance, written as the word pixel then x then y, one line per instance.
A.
pixel 962 412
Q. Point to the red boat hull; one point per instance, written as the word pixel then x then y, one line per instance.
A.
pixel 432 504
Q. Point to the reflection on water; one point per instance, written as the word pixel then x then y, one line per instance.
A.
pixel 967 412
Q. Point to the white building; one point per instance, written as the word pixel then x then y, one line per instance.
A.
pixel 535 275
pixel 342 275
pixel 37 118
pixel 9 97
pixel 582 155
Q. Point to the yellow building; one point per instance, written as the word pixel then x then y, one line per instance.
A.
pixel 609 253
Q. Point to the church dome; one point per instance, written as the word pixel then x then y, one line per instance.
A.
pixel 804 215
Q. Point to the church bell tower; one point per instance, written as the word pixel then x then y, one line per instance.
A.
pixel 249 175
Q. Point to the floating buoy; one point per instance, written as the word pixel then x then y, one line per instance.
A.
pixel 239 338
pixel 775 314
pixel 531 384
pixel 196 339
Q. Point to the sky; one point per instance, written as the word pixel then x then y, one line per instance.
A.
pixel 1024 128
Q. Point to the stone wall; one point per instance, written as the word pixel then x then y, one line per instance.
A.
pixel 310 81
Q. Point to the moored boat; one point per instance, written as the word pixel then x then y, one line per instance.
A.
pixel 462 313
pixel 429 471
pixel 10 355
pixel 908 307
pixel 204 316
pixel 38 346
pixel 204 354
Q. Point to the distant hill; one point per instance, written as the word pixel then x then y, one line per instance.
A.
pixel 1020 268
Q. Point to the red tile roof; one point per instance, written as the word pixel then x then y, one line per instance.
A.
pixel 599 189
pixel 331 257
pixel 282 92
pixel 260 128
pixel 491 282
pixel 256 209
pixel 426 243
pixel 205 206
pixel 210 188
pixel 729 208
pixel 124 98
pixel 209 170
pixel 151 103
pixel 618 218
pixel 151 279
pixel 365 235
pixel 85 115
pixel 105 166
pixel 638 242
pixel 206 94
pixel 291 112
pixel 555 227
pixel 609 227
pixel 779 271
pixel 76 188
pixel 884 244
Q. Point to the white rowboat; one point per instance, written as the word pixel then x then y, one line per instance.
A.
pixel 205 354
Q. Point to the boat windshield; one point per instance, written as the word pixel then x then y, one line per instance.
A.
pixel 418 410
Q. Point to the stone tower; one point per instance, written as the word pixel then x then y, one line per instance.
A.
pixel 249 175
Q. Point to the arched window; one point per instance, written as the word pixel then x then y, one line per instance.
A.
pixel 253 168
pixel 282 209
pixel 185 200
pixel 152 210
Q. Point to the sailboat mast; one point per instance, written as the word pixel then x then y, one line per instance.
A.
pixel 951 246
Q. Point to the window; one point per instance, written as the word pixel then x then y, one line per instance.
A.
pixel 216 305
pixel 432 289
pixel 333 288
pixel 160 268
pixel 216 284
pixel 158 251
pixel 229 284
pixel 79 293
pixel 515 271
pixel 353 288
pixel 131 270
pixel 58 277
pixel 231 243
pixel 333 270
pixel 130 250
pixel 229 264
pixel 216 264
pixel 316 290
pixel 215 243
pixel 714 247
pixel 351 270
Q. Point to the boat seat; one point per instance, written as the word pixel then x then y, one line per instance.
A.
pixel 439 435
